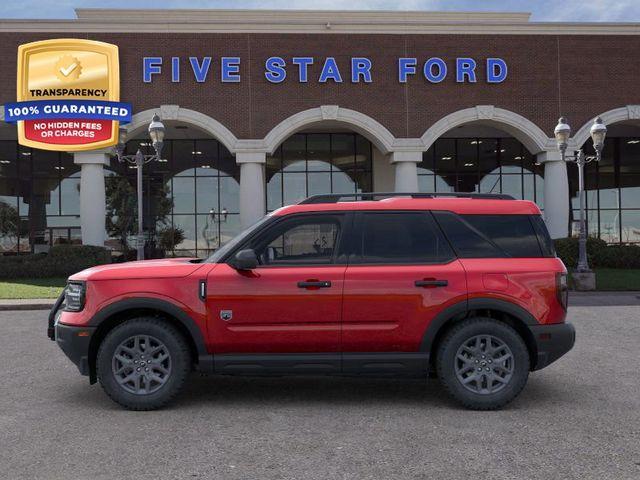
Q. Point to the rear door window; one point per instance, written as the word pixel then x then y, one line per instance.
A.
pixel 402 237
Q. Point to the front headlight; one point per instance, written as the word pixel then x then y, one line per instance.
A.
pixel 74 296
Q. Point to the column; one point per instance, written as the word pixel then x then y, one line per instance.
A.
pixel 252 188
pixel 93 209
pixel 406 167
pixel 556 194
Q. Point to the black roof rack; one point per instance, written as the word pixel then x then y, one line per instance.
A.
pixel 369 196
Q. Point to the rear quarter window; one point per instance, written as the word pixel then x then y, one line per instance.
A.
pixel 487 236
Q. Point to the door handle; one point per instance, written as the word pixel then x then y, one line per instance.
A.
pixel 431 283
pixel 314 284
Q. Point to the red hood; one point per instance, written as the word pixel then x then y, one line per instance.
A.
pixel 164 268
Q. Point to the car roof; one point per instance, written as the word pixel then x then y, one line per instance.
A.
pixel 462 205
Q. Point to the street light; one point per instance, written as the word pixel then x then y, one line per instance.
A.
pixel 562 133
pixel 156 133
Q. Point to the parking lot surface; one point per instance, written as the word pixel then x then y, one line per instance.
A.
pixel 579 418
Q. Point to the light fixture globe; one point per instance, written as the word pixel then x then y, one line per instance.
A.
pixel 562 133
pixel 156 133
pixel 598 133
pixel 156 129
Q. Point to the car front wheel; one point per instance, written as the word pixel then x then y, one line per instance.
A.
pixel 483 363
pixel 143 363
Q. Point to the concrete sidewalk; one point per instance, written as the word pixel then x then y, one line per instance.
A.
pixel 577 299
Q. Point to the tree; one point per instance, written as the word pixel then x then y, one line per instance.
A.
pixel 9 222
pixel 122 208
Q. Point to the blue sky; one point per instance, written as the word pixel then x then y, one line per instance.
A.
pixel 542 10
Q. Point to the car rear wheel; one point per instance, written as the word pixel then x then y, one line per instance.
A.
pixel 143 363
pixel 483 363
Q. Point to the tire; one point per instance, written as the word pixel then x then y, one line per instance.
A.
pixel 504 367
pixel 136 381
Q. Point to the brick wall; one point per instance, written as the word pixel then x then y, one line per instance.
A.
pixel 578 76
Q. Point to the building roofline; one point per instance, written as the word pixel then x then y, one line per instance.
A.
pixel 310 21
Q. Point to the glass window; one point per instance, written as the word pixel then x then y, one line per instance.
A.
pixel 315 163
pixel 467 241
pixel 402 238
pixel 514 234
pixel 303 241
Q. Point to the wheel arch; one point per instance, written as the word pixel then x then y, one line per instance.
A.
pixel 121 311
pixel 510 313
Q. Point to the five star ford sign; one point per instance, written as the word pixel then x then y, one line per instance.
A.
pixel 68 95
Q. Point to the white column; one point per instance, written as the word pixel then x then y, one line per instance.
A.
pixel 406 167
pixel 556 194
pixel 93 209
pixel 252 188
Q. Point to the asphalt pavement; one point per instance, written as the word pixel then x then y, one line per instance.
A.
pixel 579 418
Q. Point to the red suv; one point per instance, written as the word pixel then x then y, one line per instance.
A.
pixel 465 286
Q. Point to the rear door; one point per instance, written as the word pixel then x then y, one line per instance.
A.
pixel 401 273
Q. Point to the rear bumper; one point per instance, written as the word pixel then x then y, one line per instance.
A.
pixel 74 342
pixel 552 342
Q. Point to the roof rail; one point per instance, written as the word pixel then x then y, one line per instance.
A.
pixel 372 196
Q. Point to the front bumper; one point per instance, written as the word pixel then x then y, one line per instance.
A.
pixel 552 342
pixel 74 342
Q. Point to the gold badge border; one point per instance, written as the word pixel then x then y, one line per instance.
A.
pixel 62 45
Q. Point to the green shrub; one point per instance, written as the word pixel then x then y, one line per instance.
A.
pixel 599 254
pixel 61 261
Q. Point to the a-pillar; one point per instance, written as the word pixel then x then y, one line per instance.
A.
pixel 92 195
pixel 252 193
pixel 556 194
pixel 406 170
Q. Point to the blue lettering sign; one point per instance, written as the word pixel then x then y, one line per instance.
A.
pixel 360 67
pixel 151 66
pixel 200 71
pixel 496 70
pixel 465 67
pixel 303 64
pixel 275 69
pixel 230 69
pixel 428 70
pixel 406 66
pixel 175 69
pixel 330 71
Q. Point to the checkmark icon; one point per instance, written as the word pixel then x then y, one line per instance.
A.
pixel 66 71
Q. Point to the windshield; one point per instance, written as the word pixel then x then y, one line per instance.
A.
pixel 235 241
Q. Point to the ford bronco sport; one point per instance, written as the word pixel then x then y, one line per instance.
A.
pixel 465 286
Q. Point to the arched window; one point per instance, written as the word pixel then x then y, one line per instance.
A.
pixel 315 163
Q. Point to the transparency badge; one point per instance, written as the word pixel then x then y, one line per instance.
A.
pixel 68 95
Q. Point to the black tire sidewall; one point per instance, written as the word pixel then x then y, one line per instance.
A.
pixel 180 362
pixel 446 362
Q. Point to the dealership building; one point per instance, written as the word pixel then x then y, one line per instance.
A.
pixel 264 108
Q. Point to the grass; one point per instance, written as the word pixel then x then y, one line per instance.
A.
pixel 27 288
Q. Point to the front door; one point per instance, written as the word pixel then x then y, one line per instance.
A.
pixel 401 274
pixel 290 304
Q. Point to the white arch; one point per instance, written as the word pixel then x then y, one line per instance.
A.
pixel 382 138
pixel 531 136
pixel 221 133
pixel 630 112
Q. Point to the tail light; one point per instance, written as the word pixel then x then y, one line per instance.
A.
pixel 562 289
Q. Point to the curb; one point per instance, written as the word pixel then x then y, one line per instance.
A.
pixel 17 305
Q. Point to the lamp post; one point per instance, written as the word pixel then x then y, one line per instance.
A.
pixel 562 133
pixel 156 133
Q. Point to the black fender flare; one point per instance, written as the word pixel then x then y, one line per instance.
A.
pixel 461 309
pixel 154 304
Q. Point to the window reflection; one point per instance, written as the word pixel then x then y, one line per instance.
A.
pixel 316 163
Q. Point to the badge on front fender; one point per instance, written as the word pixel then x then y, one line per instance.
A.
pixel 226 315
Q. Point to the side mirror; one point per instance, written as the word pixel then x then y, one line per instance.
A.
pixel 245 260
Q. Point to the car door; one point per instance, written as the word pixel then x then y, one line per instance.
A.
pixel 401 273
pixel 289 304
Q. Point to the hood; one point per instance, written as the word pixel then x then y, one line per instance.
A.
pixel 164 268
